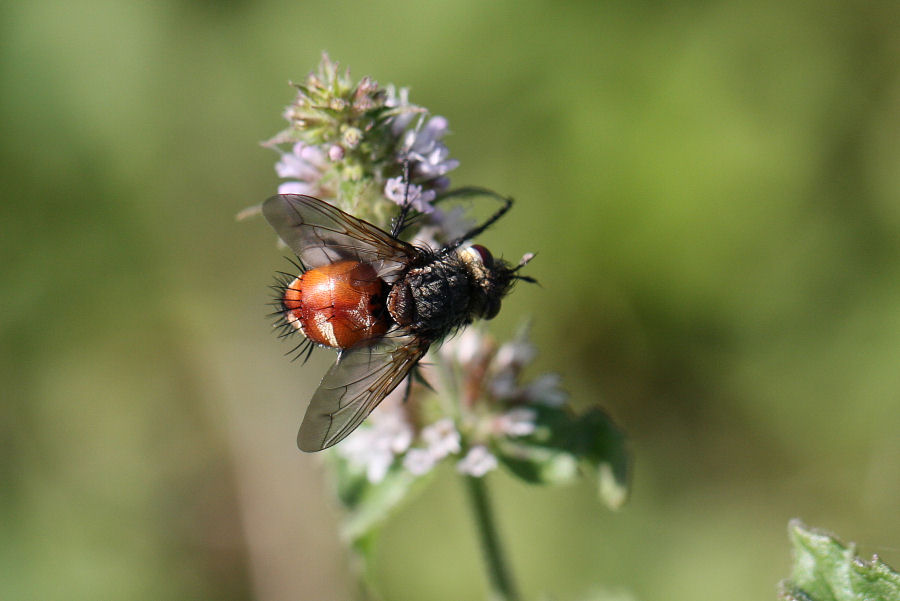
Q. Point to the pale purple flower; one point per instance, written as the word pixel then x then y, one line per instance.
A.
pixel 304 162
pixel 373 448
pixel 399 99
pixel 419 462
pixel 429 157
pixel 470 346
pixel 426 237
pixel 442 438
pixel 396 190
pixel 545 390
pixel 444 226
pixel 364 450
pixel 477 462
pixel 504 385
pixel 298 188
pixel 514 355
pixel 420 140
pixel 304 166
pixel 336 153
pixel 453 223
pixel 517 422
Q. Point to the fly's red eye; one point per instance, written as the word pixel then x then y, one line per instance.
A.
pixel 487 259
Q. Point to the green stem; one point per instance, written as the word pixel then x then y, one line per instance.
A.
pixel 501 583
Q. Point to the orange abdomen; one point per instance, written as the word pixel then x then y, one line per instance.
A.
pixel 338 305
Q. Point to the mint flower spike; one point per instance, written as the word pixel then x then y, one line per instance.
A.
pixel 347 143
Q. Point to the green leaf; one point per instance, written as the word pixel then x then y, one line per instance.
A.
pixel 537 464
pixel 367 505
pixel 563 442
pixel 602 445
pixel 827 570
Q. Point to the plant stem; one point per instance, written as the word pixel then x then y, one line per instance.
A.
pixel 501 583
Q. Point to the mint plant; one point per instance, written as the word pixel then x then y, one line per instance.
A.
pixel 370 151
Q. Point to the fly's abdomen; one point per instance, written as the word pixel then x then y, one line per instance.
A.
pixel 338 305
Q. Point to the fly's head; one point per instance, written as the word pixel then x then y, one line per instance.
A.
pixel 492 278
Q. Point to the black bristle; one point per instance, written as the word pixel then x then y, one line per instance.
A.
pixel 284 329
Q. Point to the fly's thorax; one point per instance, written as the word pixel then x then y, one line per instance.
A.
pixel 433 298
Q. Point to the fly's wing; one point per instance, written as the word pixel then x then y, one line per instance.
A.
pixel 320 233
pixel 353 387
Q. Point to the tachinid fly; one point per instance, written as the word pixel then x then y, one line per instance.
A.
pixel 378 300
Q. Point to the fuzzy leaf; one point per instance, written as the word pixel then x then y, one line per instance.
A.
pixel 603 448
pixel 827 570
pixel 537 464
pixel 562 442
pixel 367 505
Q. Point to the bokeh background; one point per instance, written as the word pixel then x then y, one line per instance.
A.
pixel 712 191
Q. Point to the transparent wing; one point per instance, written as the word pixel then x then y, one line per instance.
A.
pixel 353 387
pixel 320 233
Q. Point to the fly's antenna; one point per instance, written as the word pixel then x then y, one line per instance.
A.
pixel 476 191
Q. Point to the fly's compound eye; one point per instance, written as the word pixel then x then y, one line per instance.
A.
pixel 492 309
pixel 482 254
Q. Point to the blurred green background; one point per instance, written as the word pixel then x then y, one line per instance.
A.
pixel 712 191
